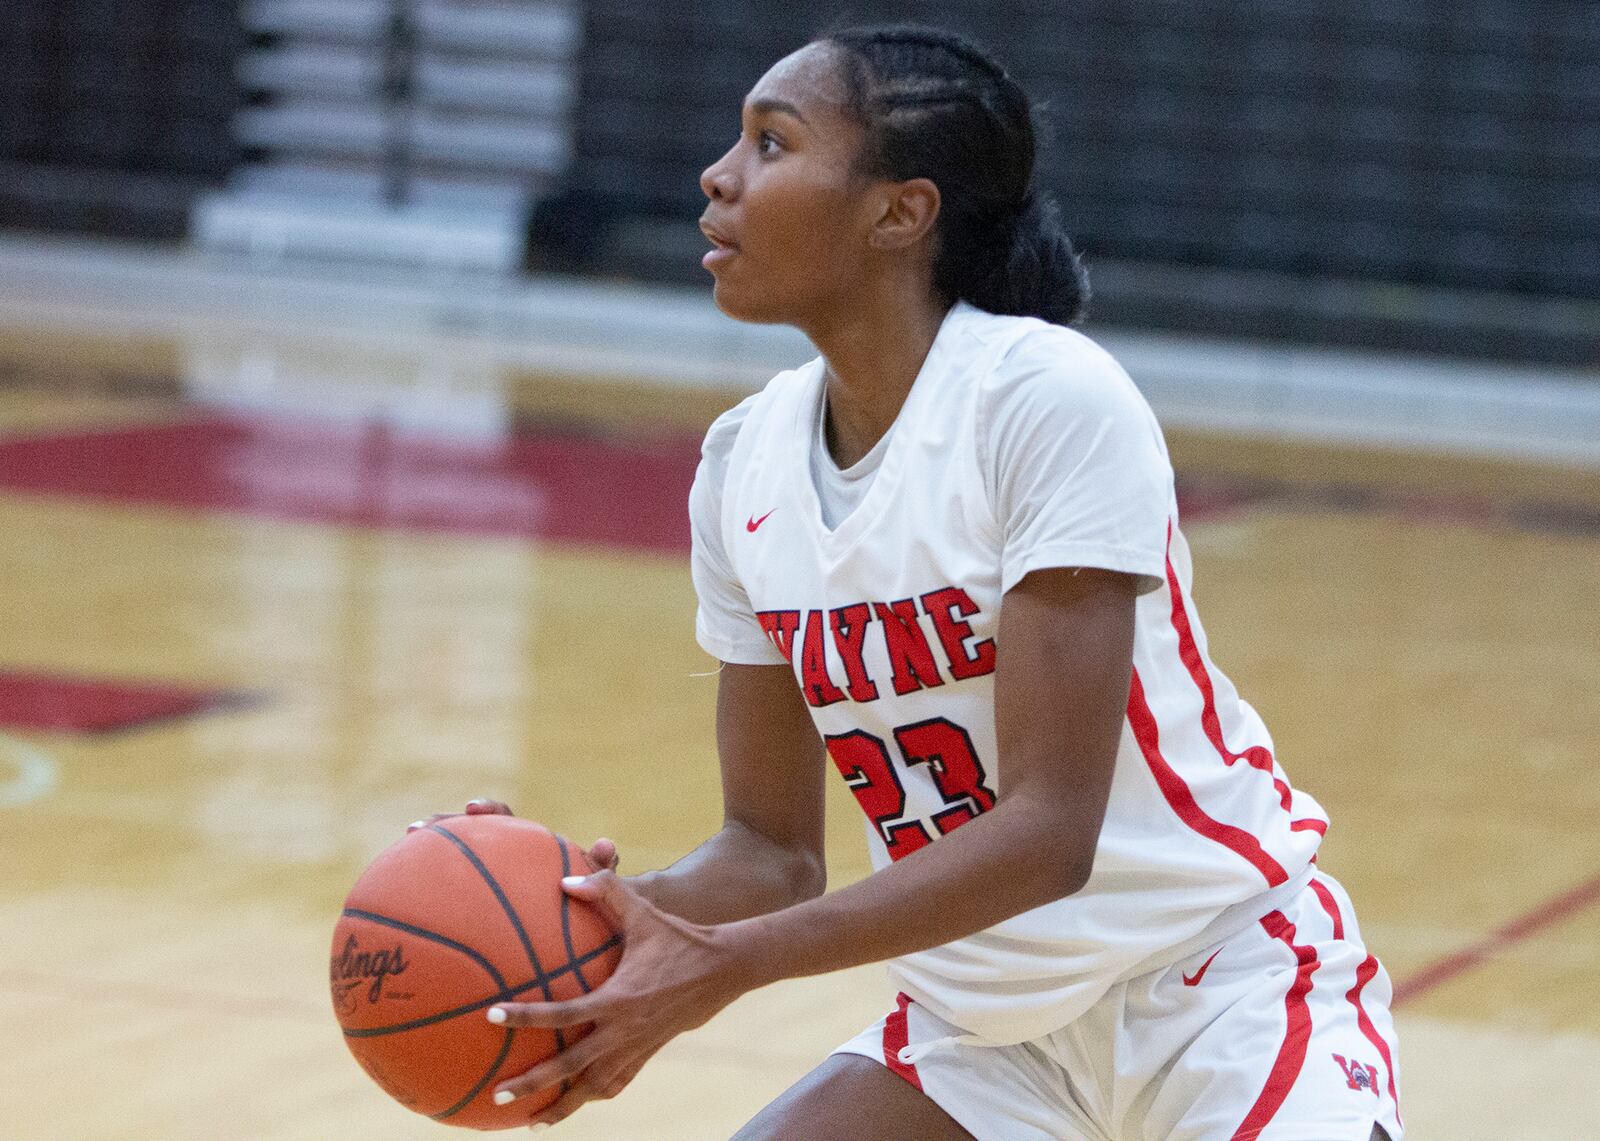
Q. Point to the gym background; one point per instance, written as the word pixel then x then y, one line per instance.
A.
pixel 354 356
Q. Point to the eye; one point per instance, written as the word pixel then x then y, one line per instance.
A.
pixel 767 144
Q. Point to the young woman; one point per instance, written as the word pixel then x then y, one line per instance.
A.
pixel 945 557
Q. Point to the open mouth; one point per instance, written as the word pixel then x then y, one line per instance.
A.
pixel 722 249
pixel 717 239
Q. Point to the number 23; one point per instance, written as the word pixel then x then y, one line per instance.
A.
pixel 945 747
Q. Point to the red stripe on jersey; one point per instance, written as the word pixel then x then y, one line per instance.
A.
pixel 1364 974
pixel 1181 798
pixel 1292 1054
pixel 1320 827
pixel 1330 905
pixel 1256 756
pixel 896 1036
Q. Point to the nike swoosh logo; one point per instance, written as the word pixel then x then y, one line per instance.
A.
pixel 1194 980
pixel 754 522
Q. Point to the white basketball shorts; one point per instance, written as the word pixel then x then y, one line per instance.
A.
pixel 1280 1032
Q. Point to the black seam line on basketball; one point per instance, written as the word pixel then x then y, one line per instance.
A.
pixel 488 1076
pixel 505 904
pixel 566 915
pixel 566 935
pixel 431 936
pixel 540 979
pixel 506 994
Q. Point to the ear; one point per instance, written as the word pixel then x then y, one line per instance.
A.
pixel 909 211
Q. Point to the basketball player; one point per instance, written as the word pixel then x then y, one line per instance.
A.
pixel 945 556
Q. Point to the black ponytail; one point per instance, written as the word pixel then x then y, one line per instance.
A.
pixel 937 106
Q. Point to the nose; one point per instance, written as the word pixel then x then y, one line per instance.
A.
pixel 718 181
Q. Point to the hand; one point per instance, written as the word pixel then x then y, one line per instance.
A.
pixel 602 857
pixel 479 807
pixel 673 976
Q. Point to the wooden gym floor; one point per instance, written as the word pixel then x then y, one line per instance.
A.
pixel 242 650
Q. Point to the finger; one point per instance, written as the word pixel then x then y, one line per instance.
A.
pixel 434 819
pixel 607 891
pixel 562 1107
pixel 564 1066
pixel 486 807
pixel 603 856
pixel 548 1015
pixel 588 1087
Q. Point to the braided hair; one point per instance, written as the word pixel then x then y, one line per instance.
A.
pixel 936 106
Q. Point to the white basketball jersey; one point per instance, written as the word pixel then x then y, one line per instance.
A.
pixel 1021 445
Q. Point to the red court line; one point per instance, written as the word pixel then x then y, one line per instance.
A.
pixel 1524 927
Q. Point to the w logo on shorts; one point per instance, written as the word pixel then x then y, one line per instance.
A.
pixel 1359 1076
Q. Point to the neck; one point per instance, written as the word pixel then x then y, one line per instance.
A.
pixel 873 354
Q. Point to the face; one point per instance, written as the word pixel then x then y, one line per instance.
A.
pixel 789 216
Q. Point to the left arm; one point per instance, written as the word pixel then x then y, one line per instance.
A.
pixel 1061 689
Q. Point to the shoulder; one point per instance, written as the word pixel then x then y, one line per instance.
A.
pixel 1052 367
pixel 725 429
pixel 717 449
pixel 1050 384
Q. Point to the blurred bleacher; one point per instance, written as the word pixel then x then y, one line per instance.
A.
pixel 1380 172
pixel 1394 174
pixel 114 116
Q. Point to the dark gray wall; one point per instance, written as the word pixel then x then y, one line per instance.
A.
pixel 1414 173
pixel 1430 144
pixel 114 113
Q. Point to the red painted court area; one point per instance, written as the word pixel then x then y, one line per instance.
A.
pixel 53 703
pixel 622 492
pixel 630 493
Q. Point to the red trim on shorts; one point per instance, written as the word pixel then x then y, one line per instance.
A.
pixel 1181 798
pixel 1309 824
pixel 1256 756
pixel 896 1036
pixel 1292 1054
pixel 1364 974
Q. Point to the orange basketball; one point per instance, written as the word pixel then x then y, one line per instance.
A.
pixel 445 923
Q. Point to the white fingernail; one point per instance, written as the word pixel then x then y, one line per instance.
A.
pixel 415 824
pixel 538 1127
pixel 504 1097
pixel 573 881
pixel 496 1015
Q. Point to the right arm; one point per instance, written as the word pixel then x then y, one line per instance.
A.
pixel 769 853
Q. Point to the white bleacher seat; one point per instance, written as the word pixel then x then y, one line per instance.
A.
pixel 460 121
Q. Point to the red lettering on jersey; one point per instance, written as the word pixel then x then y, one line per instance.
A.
pixel 942 745
pixel 863 761
pixel 942 606
pixel 910 656
pixel 946 748
pixel 814 680
pixel 780 626
pixel 849 636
